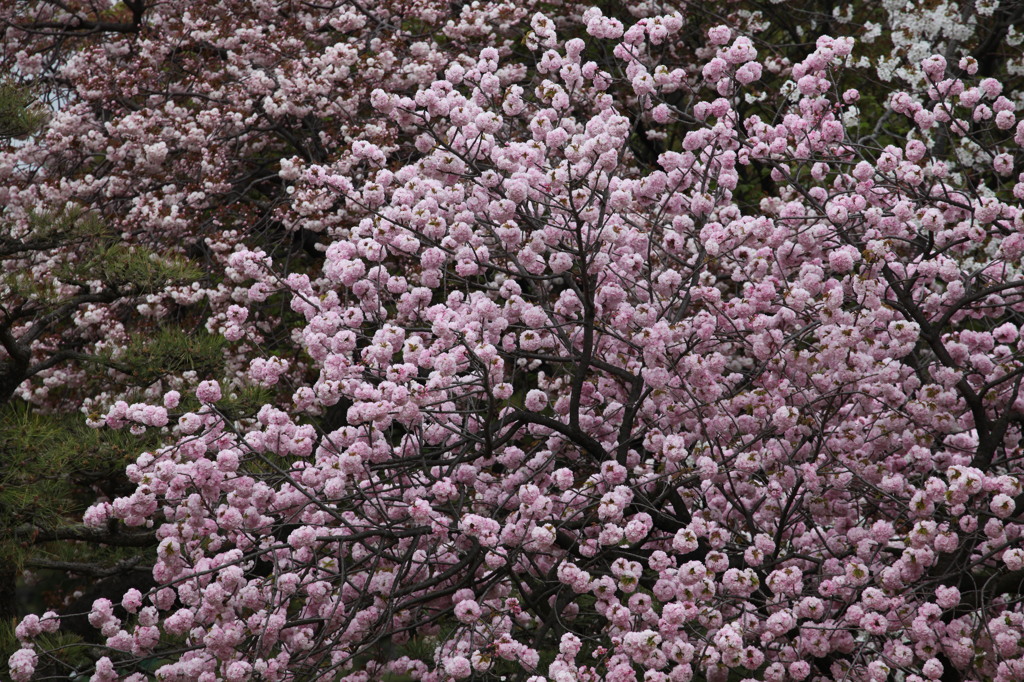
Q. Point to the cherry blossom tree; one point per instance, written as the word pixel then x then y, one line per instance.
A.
pixel 169 135
pixel 648 346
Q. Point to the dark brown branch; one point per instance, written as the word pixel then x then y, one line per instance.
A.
pixel 89 569
pixel 114 537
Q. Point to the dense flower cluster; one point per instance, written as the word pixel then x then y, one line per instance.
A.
pixel 632 352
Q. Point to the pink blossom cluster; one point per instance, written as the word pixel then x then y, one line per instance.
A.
pixel 618 364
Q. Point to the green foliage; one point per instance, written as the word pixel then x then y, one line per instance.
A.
pixel 20 115
pixel 49 465
pixel 152 355
pixel 242 403
pixel 417 647
pixel 46 231
pixel 38 453
pixel 66 648
pixel 73 223
pixel 245 402
pixel 89 252
pixel 136 268
pixel 8 642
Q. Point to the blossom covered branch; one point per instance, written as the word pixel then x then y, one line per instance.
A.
pixel 621 358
